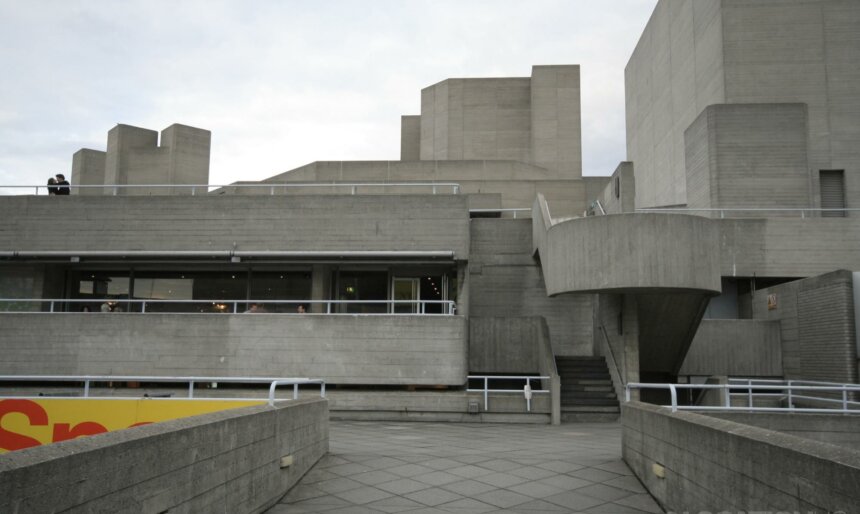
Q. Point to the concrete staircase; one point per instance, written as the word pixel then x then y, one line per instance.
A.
pixel 586 390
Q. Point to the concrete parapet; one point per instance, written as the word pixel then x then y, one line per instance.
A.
pixel 735 347
pixel 692 462
pixel 227 223
pixel 632 252
pixel 229 461
pixel 341 349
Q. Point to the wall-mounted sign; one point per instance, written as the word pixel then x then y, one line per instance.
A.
pixel 771 302
pixel 25 423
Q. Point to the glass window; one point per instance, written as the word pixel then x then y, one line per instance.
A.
pixel 363 285
pixel 219 285
pixel 274 285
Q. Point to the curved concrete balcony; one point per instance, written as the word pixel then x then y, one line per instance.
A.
pixel 635 252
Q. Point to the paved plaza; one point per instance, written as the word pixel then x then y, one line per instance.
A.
pixel 425 468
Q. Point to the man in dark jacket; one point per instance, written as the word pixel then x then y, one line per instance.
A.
pixel 61 181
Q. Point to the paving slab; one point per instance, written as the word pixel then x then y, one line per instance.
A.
pixel 464 468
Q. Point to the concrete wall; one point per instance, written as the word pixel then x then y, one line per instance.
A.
pixel 516 182
pixel 626 252
pixel 750 155
pixel 88 168
pixel 503 345
pixel 556 127
pixel 476 119
pixel 311 223
pixel 619 193
pixel 397 349
pixel 226 461
pixel 616 333
pixel 506 280
pixel 735 347
pixel 827 428
pixel 816 317
pixel 717 465
pixel 788 247
pixel 693 54
pixel 410 138
pixel 802 51
pixel 675 71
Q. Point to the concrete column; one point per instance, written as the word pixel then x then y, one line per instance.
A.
pixel 88 169
pixel 630 339
pixel 320 286
pixel 463 288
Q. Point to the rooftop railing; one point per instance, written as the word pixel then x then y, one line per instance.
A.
pixel 87 382
pixel 524 212
pixel 790 390
pixel 139 305
pixel 526 391
pixel 804 212
pixel 351 188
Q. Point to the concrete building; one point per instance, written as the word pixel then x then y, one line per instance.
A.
pixel 135 158
pixel 483 251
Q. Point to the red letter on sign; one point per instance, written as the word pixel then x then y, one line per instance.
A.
pixel 63 433
pixel 34 412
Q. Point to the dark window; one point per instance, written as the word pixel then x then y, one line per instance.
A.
pixel 832 193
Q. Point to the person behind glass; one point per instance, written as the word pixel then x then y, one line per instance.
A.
pixel 301 309
pixel 62 185
pixel 52 186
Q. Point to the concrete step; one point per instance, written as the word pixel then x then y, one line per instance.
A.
pixel 589 401
pixel 588 394
pixel 589 417
pixel 607 409
pixel 587 388
pixel 586 382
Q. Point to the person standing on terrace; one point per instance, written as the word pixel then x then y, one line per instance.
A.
pixel 62 185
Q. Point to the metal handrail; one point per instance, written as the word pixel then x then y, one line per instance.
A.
pixel 788 386
pixel 727 388
pixel 486 389
pixel 449 307
pixel 455 187
pixel 514 210
pixel 88 379
pixel 801 210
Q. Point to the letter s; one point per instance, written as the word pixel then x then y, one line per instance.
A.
pixel 12 441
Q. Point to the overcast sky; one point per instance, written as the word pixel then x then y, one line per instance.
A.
pixel 284 83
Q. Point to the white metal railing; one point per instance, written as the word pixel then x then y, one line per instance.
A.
pixel 803 211
pixel 845 405
pixel 88 380
pixel 352 187
pixel 406 307
pixel 786 390
pixel 514 210
pixel 526 391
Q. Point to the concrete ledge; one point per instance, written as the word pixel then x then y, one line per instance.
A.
pixel 227 461
pixel 632 252
pixel 718 465
pixel 338 348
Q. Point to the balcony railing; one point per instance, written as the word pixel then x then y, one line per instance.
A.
pixel 351 188
pixel 139 305
pixel 803 212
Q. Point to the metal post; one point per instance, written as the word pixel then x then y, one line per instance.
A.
pixel 727 394
pixel 143 307
pixel 674 394
pixel 190 389
pixel 790 394
pixel 434 189
pixel 52 306
pixel 722 214
pixel 627 393
pixel 844 398
pixel 272 191
pixel 235 307
pixel 114 190
pixel 193 190
pixel 295 391
pixel 328 307
pixel 322 390
pixel 353 189
pixel 456 189
pixel 486 391
pixel 86 388
pixel 515 214
pixel 749 395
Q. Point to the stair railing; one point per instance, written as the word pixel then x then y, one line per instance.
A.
pixel 618 382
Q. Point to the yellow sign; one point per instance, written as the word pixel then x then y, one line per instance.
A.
pixel 25 423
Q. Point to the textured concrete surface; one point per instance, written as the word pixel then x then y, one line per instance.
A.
pixel 717 465
pixel 224 223
pixel 431 468
pixel 735 347
pixel 817 326
pixel 227 461
pixel 338 348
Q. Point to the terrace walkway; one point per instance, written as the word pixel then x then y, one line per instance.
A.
pixel 444 468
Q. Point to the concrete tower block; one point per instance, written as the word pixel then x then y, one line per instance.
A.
pixel 88 169
pixel 126 145
pixel 187 150
pixel 410 138
pixel 556 127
